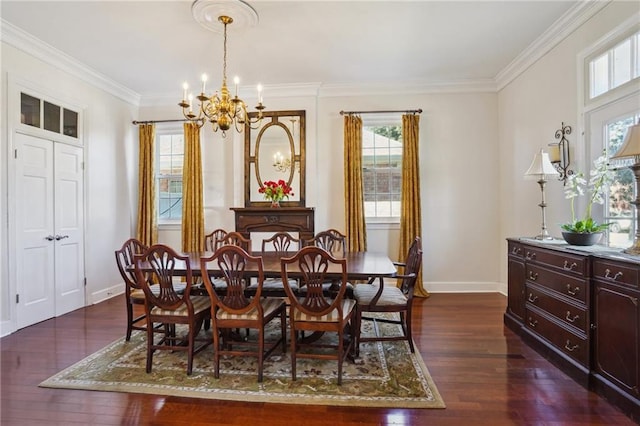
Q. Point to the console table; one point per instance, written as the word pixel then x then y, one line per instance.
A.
pixel 282 219
pixel 580 308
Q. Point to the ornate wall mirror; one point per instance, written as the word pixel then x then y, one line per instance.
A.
pixel 274 151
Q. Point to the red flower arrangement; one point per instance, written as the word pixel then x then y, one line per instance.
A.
pixel 276 191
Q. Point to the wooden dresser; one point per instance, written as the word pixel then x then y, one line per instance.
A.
pixel 580 308
pixel 266 219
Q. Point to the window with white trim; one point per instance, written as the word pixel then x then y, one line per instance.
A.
pixel 382 171
pixel 615 66
pixel 169 161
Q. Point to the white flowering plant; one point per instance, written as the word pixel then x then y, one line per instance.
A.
pixel 599 180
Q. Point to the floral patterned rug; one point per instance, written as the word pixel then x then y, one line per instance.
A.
pixel 386 375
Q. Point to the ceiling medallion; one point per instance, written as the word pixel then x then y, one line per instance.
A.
pixel 207 12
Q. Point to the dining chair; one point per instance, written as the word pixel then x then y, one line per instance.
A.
pixel 280 244
pixel 157 266
pixel 132 291
pixel 335 243
pixel 212 240
pixel 235 310
pixel 134 295
pixel 312 311
pixel 389 298
pixel 236 239
pixel 331 240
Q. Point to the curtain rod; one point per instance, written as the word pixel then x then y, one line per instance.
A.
pixel 158 121
pixel 409 111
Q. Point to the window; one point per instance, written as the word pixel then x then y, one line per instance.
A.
pixel 170 157
pixel 619 211
pixel 382 172
pixel 615 67
pixel 42 114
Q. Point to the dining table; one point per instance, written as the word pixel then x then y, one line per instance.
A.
pixel 361 265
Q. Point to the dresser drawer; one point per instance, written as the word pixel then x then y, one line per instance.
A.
pixel 573 288
pixel 567 263
pixel 565 341
pixel 567 313
pixel 515 249
pixel 616 272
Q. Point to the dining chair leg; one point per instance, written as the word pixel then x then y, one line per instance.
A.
pixel 408 330
pixel 283 330
pixel 260 353
pixel 340 355
pixel 129 319
pixel 150 344
pixel 293 352
pixel 216 352
pixel 190 351
pixel 357 331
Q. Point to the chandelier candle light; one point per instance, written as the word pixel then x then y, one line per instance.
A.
pixel 222 110
pixel 540 168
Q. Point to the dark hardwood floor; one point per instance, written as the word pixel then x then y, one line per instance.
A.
pixel 483 371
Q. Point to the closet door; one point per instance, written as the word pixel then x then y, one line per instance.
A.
pixel 49 208
pixel 35 261
pixel 69 228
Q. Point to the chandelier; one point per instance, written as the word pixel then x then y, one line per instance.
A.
pixel 222 110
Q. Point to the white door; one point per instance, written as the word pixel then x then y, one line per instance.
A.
pixel 49 229
pixel 69 227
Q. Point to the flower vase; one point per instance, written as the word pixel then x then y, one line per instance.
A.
pixel 275 204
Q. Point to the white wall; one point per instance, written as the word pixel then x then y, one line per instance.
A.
pixel 459 171
pixel 530 109
pixel 109 176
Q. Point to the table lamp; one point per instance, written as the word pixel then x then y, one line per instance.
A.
pixel 540 168
pixel 631 148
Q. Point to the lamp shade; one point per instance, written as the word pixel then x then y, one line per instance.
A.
pixel 541 166
pixel 631 145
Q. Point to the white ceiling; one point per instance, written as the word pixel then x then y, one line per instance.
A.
pixel 151 47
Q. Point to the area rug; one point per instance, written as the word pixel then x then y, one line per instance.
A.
pixel 387 374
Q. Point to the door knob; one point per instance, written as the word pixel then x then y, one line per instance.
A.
pixel 61 237
pixel 49 238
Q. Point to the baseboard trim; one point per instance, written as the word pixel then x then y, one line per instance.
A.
pixel 463 287
pixel 106 293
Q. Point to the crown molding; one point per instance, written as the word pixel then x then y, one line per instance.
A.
pixel 407 88
pixel 269 91
pixel 559 30
pixel 24 41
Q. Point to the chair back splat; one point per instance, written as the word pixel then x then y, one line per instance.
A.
pixel 212 240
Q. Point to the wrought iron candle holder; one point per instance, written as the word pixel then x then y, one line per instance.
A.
pixel 559 153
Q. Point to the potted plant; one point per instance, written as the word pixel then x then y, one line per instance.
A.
pixel 275 191
pixel 585 231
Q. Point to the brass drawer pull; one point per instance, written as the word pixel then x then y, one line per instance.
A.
pixel 516 250
pixel 570 318
pixel 533 275
pixel 533 323
pixel 570 348
pixel 607 274
pixel 569 267
pixel 530 255
pixel 574 291
pixel 532 298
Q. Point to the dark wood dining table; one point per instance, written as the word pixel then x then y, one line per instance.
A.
pixel 361 265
